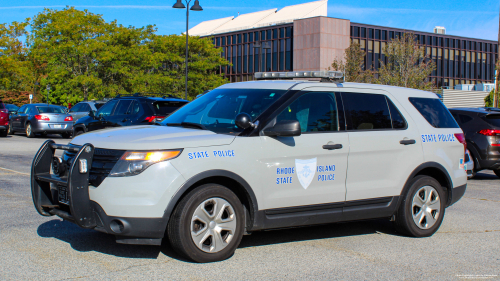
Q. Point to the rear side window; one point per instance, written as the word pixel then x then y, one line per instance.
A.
pixel 465 118
pixel 434 111
pixel 2 106
pixel 167 107
pixel 398 121
pixel 367 111
pixel 493 119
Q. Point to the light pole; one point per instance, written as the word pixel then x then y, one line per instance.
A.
pixel 48 90
pixel 195 7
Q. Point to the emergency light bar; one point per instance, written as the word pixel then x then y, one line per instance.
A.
pixel 323 74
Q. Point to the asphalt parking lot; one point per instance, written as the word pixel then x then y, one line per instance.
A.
pixel 467 246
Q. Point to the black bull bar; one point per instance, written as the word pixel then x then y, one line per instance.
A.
pixel 47 188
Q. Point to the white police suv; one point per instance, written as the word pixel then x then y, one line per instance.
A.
pixel 261 155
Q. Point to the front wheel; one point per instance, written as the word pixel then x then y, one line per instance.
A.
pixel 422 210
pixel 207 225
pixel 497 172
pixel 29 131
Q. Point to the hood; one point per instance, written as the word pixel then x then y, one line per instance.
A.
pixel 152 137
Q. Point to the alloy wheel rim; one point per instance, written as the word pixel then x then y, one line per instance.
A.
pixel 426 207
pixel 213 225
pixel 28 130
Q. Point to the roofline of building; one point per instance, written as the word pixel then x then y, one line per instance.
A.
pixel 426 32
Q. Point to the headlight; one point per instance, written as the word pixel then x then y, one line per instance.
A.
pixel 135 162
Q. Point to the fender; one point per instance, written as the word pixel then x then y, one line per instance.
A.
pixel 208 174
pixel 418 170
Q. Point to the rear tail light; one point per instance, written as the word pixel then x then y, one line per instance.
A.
pixel 461 139
pixel 69 118
pixel 42 117
pixel 152 119
pixel 489 132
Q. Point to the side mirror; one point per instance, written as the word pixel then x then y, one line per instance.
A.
pixel 285 128
pixel 244 121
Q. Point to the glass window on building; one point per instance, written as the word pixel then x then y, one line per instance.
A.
pixel 245 37
pixel 275 33
pixel 282 32
pixel 370 33
pixel 217 41
pixel 250 58
pixel 256 35
pixel 245 57
pixel 250 37
pixel 262 35
pixel 355 31
pixel 384 34
pixel 223 41
pixel 282 55
pixel 377 34
pixel 275 54
pixel 288 32
pixel 363 32
pixel 288 55
pixel 269 34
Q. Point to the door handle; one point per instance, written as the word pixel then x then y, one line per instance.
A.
pixel 332 146
pixel 407 142
pixel 124 120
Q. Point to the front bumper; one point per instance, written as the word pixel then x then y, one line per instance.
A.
pixel 131 208
pixel 3 128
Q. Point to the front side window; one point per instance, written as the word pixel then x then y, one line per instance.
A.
pixel 122 107
pixel 367 111
pixel 434 111
pixel 217 109
pixel 107 109
pixel 316 112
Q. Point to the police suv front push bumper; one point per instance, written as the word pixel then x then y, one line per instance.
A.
pixel 68 198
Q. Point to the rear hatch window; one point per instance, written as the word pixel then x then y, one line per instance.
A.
pixel 167 107
pixel 434 111
pixel 493 119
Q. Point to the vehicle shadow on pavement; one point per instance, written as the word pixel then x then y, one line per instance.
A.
pixel 327 231
pixel 84 240
pixel 485 176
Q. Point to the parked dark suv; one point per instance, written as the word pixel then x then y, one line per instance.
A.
pixel 482 133
pixel 137 109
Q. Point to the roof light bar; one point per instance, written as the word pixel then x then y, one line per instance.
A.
pixel 331 75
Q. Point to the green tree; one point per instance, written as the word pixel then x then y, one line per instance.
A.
pixel 488 100
pixel 83 57
pixel 352 65
pixel 15 70
pixel 407 65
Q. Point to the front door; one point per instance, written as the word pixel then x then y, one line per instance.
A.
pixel 309 169
pixel 102 116
pixel 120 116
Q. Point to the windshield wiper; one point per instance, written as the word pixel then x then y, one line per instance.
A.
pixel 187 125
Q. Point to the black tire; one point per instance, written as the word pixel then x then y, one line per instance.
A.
pixel 404 222
pixel 497 172
pixel 3 134
pixel 29 131
pixel 179 226
pixel 10 131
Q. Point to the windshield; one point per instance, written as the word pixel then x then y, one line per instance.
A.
pixel 49 109
pixel 11 107
pixel 217 109
pixel 167 107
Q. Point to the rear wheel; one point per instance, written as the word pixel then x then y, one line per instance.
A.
pixel 422 210
pixel 66 135
pixel 497 172
pixel 29 131
pixel 207 225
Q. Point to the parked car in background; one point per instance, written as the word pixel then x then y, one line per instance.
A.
pixel 482 133
pixel 4 120
pixel 11 107
pixel 137 109
pixel 43 119
pixel 83 108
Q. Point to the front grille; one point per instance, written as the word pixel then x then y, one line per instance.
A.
pixel 103 162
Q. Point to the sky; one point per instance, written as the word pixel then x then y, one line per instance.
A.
pixel 476 19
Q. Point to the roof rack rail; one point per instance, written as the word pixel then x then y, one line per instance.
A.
pixel 324 75
pixel 158 95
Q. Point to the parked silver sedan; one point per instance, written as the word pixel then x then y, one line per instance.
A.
pixel 43 119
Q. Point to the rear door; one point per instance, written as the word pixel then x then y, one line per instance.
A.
pixel 306 170
pixel 385 145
